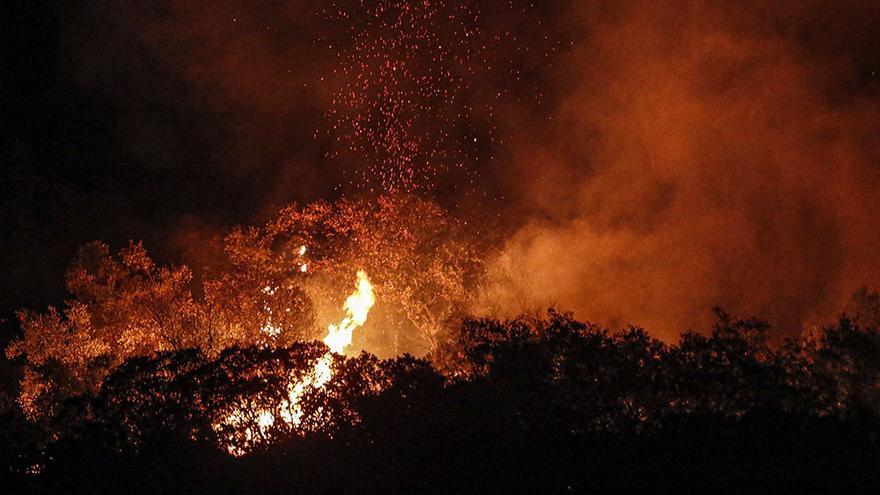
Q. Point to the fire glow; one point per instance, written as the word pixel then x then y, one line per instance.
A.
pixel 357 308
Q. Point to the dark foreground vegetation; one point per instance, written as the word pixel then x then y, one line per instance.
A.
pixel 543 405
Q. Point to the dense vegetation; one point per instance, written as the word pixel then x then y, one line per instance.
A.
pixel 549 404
pixel 151 380
pixel 269 286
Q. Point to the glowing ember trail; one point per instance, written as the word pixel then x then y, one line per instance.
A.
pixel 240 421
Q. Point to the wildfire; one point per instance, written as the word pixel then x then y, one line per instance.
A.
pixel 357 307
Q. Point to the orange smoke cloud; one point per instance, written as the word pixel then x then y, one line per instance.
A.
pixel 702 156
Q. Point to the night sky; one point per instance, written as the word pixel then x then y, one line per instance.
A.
pixel 645 161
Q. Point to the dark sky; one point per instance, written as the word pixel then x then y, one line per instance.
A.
pixel 649 159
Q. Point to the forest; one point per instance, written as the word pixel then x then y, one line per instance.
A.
pixel 549 405
pixel 150 382
pixel 439 246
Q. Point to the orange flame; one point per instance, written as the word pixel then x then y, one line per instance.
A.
pixel 357 307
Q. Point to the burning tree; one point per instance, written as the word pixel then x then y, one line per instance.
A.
pixel 122 307
pixel 126 306
pixel 247 424
pixel 422 262
pixel 275 282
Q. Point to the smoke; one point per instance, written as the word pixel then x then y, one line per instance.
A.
pixel 703 155
pixel 650 159
pixel 228 93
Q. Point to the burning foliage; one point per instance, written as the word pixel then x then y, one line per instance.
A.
pixel 423 262
pixel 251 419
pixel 276 282
pixel 652 161
pixel 144 363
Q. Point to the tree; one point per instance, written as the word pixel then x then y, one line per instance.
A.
pixel 844 366
pixel 267 292
pixel 122 307
pixel 126 306
pixel 422 262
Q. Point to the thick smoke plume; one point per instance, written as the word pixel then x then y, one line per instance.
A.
pixel 703 156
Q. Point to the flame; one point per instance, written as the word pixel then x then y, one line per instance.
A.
pixel 357 308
